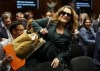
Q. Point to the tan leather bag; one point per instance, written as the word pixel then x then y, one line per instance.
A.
pixel 26 44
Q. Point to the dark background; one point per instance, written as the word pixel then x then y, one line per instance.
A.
pixel 10 5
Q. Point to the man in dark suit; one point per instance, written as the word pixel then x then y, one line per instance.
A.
pixel 5 22
pixel 97 52
pixel 4 25
pixel 20 18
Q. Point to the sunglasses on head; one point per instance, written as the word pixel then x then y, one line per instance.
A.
pixel 64 13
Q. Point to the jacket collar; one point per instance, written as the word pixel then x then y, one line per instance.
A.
pixel 53 29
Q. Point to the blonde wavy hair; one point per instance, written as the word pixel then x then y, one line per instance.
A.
pixel 74 18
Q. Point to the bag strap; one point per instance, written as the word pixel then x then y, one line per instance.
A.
pixel 47 26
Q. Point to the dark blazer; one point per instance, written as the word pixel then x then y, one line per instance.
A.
pixel 97 49
pixel 3 32
pixel 61 42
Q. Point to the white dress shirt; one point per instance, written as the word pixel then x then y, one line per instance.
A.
pixel 6 41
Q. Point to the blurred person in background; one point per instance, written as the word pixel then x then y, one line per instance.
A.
pixel 51 5
pixel 86 35
pixel 95 22
pixel 48 14
pixel 20 18
pixel 82 16
pixel 5 34
pixel 97 52
pixel 16 29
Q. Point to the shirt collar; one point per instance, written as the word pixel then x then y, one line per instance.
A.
pixel 3 25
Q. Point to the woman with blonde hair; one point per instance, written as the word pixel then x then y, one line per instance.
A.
pixel 73 20
pixel 58 35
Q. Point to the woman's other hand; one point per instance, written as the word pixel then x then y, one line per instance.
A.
pixel 55 63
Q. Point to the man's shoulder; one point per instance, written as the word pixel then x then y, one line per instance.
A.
pixel 0 24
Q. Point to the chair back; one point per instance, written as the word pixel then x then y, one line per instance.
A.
pixel 46 66
pixel 76 50
pixel 82 63
pixel 91 49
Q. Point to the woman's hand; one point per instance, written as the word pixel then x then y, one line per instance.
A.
pixel 55 63
pixel 7 59
pixel 44 31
